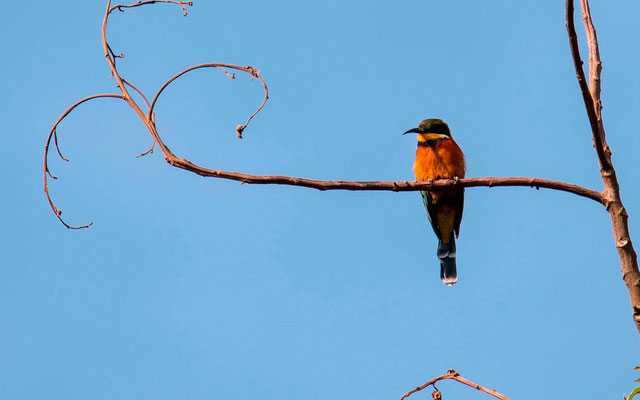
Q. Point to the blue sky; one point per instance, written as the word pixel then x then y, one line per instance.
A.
pixel 189 287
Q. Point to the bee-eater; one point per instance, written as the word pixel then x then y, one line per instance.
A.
pixel 439 157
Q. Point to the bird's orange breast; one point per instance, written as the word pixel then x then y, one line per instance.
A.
pixel 443 159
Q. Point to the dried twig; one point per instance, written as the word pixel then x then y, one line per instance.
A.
pixel 153 115
pixel 611 193
pixel 53 134
pixel 452 374
pixel 183 4
pixel 254 72
pixel 392 186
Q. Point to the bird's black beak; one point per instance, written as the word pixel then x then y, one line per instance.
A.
pixel 414 130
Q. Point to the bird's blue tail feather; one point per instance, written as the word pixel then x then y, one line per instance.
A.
pixel 447 256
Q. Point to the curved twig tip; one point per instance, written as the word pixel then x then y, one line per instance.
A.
pixel 51 175
pixel 230 76
pixel 55 142
pixel 239 130
pixel 150 151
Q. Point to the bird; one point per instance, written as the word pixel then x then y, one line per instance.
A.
pixel 439 157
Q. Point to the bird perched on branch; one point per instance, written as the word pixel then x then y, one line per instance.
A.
pixel 439 157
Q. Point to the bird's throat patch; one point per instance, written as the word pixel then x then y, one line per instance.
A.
pixel 430 139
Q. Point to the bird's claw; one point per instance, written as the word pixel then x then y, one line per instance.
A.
pixel 456 179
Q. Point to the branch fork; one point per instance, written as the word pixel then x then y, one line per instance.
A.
pixel 611 194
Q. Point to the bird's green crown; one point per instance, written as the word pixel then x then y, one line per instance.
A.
pixel 434 125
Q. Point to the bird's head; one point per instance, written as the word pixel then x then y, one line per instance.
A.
pixel 432 128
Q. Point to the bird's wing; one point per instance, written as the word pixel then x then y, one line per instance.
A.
pixel 432 211
pixel 459 198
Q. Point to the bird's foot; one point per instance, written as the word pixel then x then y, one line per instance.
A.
pixel 456 179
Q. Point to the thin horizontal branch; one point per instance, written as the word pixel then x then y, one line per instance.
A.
pixel 451 374
pixel 394 186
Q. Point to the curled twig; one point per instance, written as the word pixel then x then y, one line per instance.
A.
pixel 254 72
pixel 53 134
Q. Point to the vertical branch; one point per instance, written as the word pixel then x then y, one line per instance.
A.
pixel 148 121
pixel 611 192
pixel 595 65
pixel 604 161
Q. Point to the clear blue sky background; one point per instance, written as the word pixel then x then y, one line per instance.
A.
pixel 197 288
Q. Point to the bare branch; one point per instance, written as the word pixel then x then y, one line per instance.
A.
pixel 394 186
pixel 140 93
pixel 451 374
pixel 53 134
pixel 254 72
pixel 605 163
pixel 148 151
pixel 595 65
pixel 153 115
pixel 55 141
pixel 611 193
pixel 183 4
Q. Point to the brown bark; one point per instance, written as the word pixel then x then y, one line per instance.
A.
pixel 611 192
